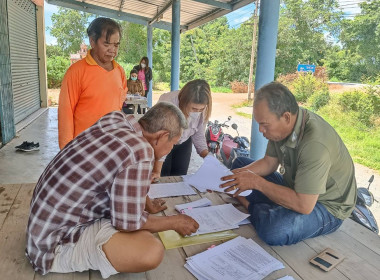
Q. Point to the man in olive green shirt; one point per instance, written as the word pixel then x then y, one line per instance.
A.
pixel 315 188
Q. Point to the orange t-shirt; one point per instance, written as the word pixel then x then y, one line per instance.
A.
pixel 88 92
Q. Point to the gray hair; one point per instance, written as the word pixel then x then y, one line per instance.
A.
pixel 279 98
pixel 164 116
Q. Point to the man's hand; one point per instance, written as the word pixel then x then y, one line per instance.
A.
pixel 243 179
pixel 154 206
pixel 155 176
pixel 184 225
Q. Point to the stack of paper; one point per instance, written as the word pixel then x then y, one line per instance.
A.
pixel 135 97
pixel 208 176
pixel 170 189
pixel 237 259
pixel 216 218
pixel 203 202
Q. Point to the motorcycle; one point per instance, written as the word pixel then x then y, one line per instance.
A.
pixel 222 145
pixel 361 213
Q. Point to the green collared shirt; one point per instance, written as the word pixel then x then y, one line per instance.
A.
pixel 316 161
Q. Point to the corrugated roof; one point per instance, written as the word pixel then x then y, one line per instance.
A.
pixel 158 13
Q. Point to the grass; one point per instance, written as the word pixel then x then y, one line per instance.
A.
pixel 221 89
pixel 245 115
pixel 362 142
pixel 246 103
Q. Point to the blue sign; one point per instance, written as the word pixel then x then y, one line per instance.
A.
pixel 306 68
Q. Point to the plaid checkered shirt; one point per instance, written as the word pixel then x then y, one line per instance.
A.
pixel 103 173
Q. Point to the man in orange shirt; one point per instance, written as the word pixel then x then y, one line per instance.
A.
pixel 95 85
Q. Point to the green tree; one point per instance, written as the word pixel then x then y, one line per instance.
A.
pixel 53 50
pixel 343 65
pixel 302 29
pixel 133 44
pixel 56 69
pixel 161 55
pixel 361 36
pixel 69 27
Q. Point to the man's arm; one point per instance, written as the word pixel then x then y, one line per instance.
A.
pixel 182 224
pixel 128 196
pixel 156 173
pixel 68 99
pixel 261 167
pixel 284 196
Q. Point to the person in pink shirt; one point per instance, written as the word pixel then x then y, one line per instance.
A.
pixel 144 73
pixel 195 102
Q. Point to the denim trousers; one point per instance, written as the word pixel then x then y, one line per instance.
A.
pixel 277 225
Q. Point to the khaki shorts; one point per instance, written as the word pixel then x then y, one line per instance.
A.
pixel 87 253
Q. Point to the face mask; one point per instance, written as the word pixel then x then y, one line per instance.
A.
pixel 134 78
pixel 143 65
pixel 195 115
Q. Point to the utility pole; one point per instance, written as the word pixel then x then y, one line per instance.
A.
pixel 253 50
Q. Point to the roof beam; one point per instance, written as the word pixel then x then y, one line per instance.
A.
pixel 216 4
pixel 161 12
pixel 89 8
pixel 216 13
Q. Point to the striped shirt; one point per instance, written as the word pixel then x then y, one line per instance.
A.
pixel 103 173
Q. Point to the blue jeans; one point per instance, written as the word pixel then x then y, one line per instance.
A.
pixel 277 225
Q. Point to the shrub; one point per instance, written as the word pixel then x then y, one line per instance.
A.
pixel 319 99
pixel 56 69
pixel 287 80
pixel 161 86
pixel 240 87
pixel 306 85
pixel 365 102
pixel 321 73
pixel 127 67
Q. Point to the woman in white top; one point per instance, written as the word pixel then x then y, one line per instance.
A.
pixel 194 100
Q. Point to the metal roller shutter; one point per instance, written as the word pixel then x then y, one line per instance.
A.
pixel 24 57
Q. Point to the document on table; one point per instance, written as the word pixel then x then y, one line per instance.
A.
pixel 237 259
pixel 208 176
pixel 170 189
pixel 287 277
pixel 203 202
pixel 216 218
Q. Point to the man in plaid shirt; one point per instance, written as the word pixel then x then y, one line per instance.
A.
pixel 90 208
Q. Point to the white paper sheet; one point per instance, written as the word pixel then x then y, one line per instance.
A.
pixel 237 259
pixel 170 189
pixel 208 176
pixel 216 218
pixel 287 277
pixel 203 202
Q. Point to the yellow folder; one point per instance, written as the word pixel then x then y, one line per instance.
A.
pixel 171 239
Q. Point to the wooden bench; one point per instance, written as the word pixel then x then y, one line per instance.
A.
pixel 360 246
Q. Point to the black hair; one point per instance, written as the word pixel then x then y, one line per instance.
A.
pixel 279 98
pixel 101 24
pixel 133 71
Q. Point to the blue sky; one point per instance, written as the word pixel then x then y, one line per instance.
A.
pixel 234 19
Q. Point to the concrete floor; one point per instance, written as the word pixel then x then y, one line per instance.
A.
pixel 26 167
